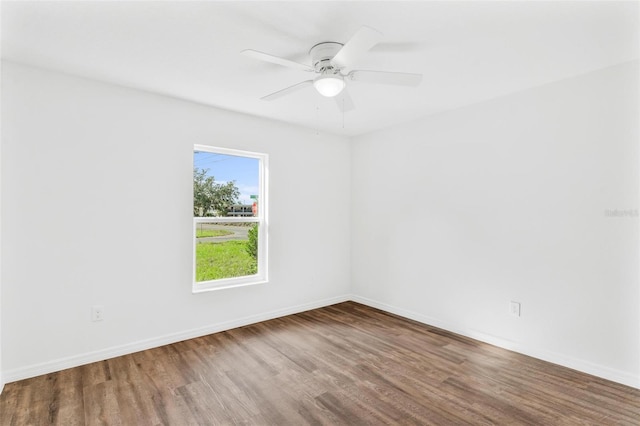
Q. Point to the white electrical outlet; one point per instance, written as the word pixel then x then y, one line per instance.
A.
pixel 514 309
pixel 97 313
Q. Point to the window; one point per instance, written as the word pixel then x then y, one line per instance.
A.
pixel 229 218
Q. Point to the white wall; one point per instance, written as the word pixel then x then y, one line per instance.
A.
pixel 96 188
pixel 458 214
pixel 1 369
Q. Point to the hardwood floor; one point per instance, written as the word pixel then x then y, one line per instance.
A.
pixel 344 364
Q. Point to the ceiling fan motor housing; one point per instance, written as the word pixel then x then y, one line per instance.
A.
pixel 321 55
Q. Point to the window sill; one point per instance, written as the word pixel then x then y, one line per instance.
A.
pixel 205 286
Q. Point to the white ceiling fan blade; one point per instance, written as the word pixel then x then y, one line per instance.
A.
pixel 344 101
pixel 286 91
pixel 276 60
pixel 398 47
pixel 383 77
pixel 364 39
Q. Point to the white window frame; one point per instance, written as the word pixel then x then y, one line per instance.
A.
pixel 262 276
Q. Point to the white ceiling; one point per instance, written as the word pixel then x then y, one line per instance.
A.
pixel 467 51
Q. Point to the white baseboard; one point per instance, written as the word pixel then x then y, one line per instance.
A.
pixel 86 358
pixel 555 358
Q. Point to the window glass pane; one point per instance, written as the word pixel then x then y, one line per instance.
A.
pixel 226 250
pixel 230 231
pixel 225 185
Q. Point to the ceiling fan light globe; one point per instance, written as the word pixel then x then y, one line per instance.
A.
pixel 329 86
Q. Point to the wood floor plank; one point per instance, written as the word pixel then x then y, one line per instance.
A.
pixel 101 404
pixel 66 405
pixel 345 364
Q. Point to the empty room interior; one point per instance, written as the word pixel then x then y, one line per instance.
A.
pixel 305 212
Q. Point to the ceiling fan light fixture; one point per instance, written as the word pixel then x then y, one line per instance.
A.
pixel 329 85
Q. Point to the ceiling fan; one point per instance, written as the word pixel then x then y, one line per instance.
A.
pixel 332 62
